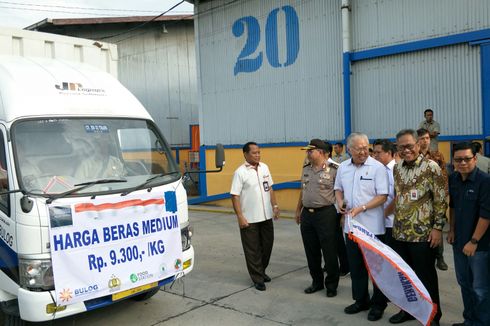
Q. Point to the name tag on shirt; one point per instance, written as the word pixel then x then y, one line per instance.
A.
pixel 266 186
pixel 414 194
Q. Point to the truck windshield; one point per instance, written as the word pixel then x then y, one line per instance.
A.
pixel 54 156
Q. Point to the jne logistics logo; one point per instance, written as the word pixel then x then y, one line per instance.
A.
pixel 77 88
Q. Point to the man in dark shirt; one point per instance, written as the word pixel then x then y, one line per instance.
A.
pixel 469 193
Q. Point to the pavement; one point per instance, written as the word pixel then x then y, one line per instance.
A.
pixel 219 291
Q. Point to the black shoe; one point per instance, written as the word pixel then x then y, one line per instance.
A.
pixel 331 293
pixel 375 314
pixel 441 264
pixel 344 274
pixel 260 286
pixel 356 307
pixel 313 288
pixel 267 278
pixel 401 317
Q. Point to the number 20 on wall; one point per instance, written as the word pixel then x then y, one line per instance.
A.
pixel 248 60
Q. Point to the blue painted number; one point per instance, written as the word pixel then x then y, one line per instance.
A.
pixel 253 39
pixel 245 64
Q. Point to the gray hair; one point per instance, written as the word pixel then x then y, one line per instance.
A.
pixel 356 135
pixel 404 132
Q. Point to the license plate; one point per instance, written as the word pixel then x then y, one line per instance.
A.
pixel 127 293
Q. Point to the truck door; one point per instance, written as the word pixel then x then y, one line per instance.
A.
pixel 8 256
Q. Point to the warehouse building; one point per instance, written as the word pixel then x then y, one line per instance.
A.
pixel 283 72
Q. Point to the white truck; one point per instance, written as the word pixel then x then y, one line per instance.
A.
pixel 92 207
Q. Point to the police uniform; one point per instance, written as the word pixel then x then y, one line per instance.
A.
pixel 320 224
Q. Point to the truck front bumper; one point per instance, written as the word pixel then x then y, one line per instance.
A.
pixel 33 306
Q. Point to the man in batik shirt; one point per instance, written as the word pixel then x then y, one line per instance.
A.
pixel 420 214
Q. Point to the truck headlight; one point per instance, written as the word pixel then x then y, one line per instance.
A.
pixel 186 234
pixel 36 274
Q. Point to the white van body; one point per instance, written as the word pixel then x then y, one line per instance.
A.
pixel 72 136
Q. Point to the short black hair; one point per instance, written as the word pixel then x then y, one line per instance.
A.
pixel 422 132
pixel 246 147
pixel 386 145
pixel 428 110
pixel 404 132
pixel 329 147
pixel 339 144
pixel 477 146
pixel 464 146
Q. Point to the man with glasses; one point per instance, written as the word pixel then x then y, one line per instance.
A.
pixel 438 157
pixel 469 212
pixel 318 219
pixel 420 214
pixel 361 188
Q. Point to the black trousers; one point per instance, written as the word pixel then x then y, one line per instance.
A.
pixel 360 277
pixel 341 251
pixel 389 237
pixel 257 240
pixel 319 232
pixel 421 257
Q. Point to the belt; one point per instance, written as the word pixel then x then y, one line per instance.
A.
pixel 316 209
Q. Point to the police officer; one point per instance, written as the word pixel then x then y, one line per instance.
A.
pixel 318 218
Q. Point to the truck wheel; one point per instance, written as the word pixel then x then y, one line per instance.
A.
pixel 147 295
pixel 12 320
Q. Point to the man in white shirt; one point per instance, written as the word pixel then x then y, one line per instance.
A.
pixel 384 151
pixel 255 205
pixel 362 184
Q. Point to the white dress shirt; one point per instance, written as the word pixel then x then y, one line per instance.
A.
pixel 360 184
pixel 391 195
pixel 253 187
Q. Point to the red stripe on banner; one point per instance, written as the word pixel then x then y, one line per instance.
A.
pixel 367 245
pixel 87 207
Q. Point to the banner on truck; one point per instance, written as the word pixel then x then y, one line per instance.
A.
pixel 106 246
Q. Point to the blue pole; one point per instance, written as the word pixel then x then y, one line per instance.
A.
pixel 347 105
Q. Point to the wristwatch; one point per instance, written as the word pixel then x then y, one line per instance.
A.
pixel 364 208
pixel 474 241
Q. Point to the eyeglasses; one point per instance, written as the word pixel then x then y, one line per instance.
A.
pixel 359 150
pixel 401 148
pixel 463 159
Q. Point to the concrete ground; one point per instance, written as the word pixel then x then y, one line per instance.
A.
pixel 219 290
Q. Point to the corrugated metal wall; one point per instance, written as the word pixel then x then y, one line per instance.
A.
pixel 391 93
pixel 377 23
pixel 34 44
pixel 159 68
pixel 270 105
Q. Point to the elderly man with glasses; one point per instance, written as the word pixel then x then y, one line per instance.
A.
pixel 361 189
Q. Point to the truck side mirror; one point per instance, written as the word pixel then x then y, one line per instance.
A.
pixel 220 156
